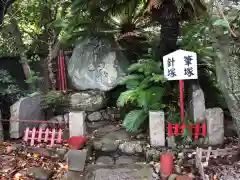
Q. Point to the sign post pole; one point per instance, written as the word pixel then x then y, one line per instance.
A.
pixel 181 100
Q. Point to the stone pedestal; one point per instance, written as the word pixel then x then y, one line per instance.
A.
pixel 77 125
pixel 157 128
pixel 76 159
pixel 215 126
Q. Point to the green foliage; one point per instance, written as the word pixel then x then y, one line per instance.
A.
pixel 55 102
pixel 8 89
pixel 145 90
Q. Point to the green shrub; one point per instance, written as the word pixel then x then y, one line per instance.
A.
pixel 55 102
pixel 145 91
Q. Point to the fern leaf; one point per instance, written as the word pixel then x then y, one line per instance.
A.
pixel 134 119
pixel 131 81
pixel 158 78
pixel 150 96
pixel 126 96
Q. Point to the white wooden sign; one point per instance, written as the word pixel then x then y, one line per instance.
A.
pixel 180 65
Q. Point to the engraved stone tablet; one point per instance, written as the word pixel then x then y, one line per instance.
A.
pixel 157 128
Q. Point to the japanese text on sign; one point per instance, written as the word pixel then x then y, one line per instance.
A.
pixel 180 65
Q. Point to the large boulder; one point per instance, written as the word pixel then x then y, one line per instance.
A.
pixel 96 64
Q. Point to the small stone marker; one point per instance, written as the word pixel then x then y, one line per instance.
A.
pixel 157 128
pixel 77 126
pixel 76 159
pixel 215 126
pixel 26 108
pixel 196 104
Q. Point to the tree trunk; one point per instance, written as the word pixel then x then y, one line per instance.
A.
pixel 21 49
pixel 228 70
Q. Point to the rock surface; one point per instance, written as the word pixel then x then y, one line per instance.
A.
pixel 76 159
pixel 27 108
pixel 215 126
pixel 111 140
pixel 125 173
pixel 96 65
pixel 91 100
pixel 131 147
pixel 39 173
pixel 196 104
pixel 105 160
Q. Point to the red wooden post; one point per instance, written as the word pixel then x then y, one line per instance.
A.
pixel 181 93
pixel 46 135
pixel 40 135
pixel 170 126
pixel 197 131
pixel 26 134
pixel 204 130
pixel 52 138
pixel 59 140
pixel 33 136
pixel 166 168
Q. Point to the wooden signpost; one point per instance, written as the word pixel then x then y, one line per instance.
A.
pixel 182 65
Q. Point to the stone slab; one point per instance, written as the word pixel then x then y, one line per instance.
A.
pixel 27 108
pixel 123 174
pixel 215 126
pixel 157 128
pixel 76 159
pixel 77 125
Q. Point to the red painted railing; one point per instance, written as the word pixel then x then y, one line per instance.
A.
pixel 41 135
pixel 196 130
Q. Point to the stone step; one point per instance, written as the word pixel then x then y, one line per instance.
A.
pixel 121 172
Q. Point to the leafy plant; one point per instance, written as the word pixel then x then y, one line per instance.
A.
pixel 55 102
pixel 145 91
pixel 8 88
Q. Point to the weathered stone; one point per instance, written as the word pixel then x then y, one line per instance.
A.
pixel 77 126
pixel 152 155
pixel 132 147
pixel 105 114
pixel 88 100
pixel 105 130
pixel 27 108
pixel 96 68
pixel 171 142
pixel 39 173
pixel 111 141
pixel 74 175
pixel 66 117
pixel 157 128
pixel 123 173
pixel 95 125
pixel 94 116
pixel 105 160
pixel 215 126
pixel 76 159
pixel 196 104
pixel 126 160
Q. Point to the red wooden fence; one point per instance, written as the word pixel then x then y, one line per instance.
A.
pixel 41 135
pixel 196 129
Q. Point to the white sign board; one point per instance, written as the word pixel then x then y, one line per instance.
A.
pixel 180 65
